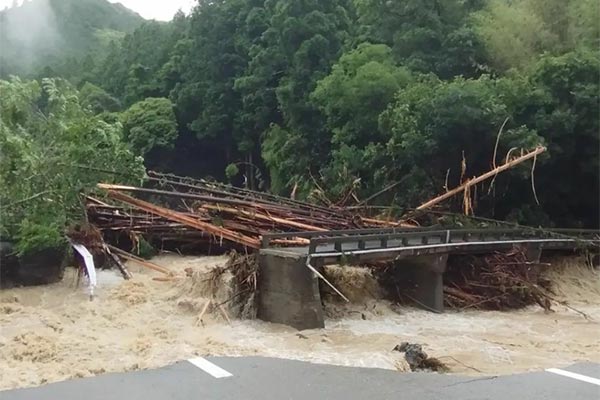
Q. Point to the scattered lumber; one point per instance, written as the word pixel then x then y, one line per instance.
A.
pixel 195 212
pixel 185 219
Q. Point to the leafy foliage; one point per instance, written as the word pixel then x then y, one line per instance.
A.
pixel 303 41
pixel 149 124
pixel 52 149
pixel 361 85
pixel 350 95
pixel 516 33
pixel 433 125
pixel 428 36
pixel 97 99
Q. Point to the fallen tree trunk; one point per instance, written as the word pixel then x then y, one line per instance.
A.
pixel 538 150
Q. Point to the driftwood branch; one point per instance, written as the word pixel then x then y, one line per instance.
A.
pixel 481 178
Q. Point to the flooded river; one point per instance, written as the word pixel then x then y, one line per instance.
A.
pixel 54 332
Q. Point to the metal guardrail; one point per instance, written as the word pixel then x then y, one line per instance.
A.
pixel 397 238
pixel 268 238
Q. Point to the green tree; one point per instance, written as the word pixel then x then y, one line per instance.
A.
pixel 216 54
pixel 564 108
pixel 150 124
pixel 517 33
pixel 52 149
pixel 136 67
pixel 427 36
pixel 97 99
pixel 361 85
pixel 303 40
pixel 434 124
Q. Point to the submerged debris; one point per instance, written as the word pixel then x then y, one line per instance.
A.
pixel 418 360
pixel 499 281
pixel 244 270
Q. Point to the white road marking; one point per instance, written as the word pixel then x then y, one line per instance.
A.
pixel 209 367
pixel 573 375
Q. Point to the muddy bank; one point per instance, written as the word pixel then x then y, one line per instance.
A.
pixel 54 332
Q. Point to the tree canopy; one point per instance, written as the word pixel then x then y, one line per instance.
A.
pixel 53 149
pixel 149 124
pixel 328 95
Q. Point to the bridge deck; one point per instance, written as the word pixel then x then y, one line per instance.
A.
pixel 290 293
pixel 384 243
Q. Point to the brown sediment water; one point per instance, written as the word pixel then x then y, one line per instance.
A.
pixel 52 333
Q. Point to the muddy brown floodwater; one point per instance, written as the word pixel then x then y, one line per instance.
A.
pixel 54 332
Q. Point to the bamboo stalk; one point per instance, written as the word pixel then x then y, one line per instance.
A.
pixel 401 224
pixel 228 190
pixel 224 313
pixel 292 242
pixel 137 260
pixel 256 215
pixel 253 203
pixel 126 274
pixel 184 219
pixel 481 178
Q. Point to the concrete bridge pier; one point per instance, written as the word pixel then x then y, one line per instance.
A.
pixel 533 252
pixel 288 292
pixel 426 276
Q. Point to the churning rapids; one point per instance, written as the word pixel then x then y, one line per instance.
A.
pixel 52 333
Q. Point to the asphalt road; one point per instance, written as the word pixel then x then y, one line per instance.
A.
pixel 256 378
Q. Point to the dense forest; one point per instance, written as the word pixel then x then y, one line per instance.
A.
pixel 314 98
pixel 60 33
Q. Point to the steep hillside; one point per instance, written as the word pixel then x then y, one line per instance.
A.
pixel 43 33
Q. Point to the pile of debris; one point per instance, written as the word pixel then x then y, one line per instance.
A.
pixel 189 211
pixel 192 212
pixel 172 212
pixel 499 281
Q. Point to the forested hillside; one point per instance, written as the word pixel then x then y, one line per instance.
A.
pixel 53 36
pixel 324 97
